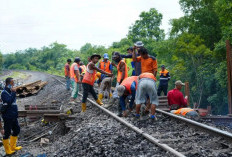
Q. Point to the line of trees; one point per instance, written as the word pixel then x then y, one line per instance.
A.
pixel 194 51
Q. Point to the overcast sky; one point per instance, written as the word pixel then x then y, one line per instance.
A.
pixel 37 23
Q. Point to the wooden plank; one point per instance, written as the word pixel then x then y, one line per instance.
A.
pixel 57 117
pixel 36 112
pixel 229 74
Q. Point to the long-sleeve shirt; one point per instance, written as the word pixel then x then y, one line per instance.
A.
pixel 175 97
pixel 9 103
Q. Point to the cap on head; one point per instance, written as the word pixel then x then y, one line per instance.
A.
pixel 139 44
pixel 162 66
pixel 69 60
pixel 95 55
pixel 105 56
pixel 77 59
pixel 116 54
pixel 121 89
pixel 130 48
pixel 179 83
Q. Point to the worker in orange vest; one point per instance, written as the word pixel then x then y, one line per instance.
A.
pixel 121 75
pixel 146 87
pixel 75 80
pixel 67 74
pixel 89 79
pixel 126 88
pixel 185 112
pixel 164 78
pixel 106 66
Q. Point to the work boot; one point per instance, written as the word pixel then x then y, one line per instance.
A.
pixel 83 107
pixel 7 147
pixel 13 141
pixel 100 96
pixel 111 95
pixel 99 102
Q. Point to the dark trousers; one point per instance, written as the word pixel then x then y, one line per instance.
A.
pixel 86 90
pixel 163 88
pixel 11 125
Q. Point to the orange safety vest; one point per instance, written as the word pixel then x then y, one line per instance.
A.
pixel 105 66
pixel 66 72
pixel 147 75
pixel 119 77
pixel 164 72
pixel 83 67
pixel 72 74
pixel 183 111
pixel 128 81
pixel 89 78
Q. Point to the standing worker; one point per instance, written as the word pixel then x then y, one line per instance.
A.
pixel 148 62
pixel 126 88
pixel 121 75
pixel 146 86
pixel 164 78
pixel 67 73
pixel 89 79
pixel 106 66
pixel 10 117
pixel 176 99
pixel 75 80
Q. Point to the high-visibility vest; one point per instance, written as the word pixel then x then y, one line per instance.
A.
pixel 83 67
pixel 72 73
pixel 128 81
pixel 183 111
pixel 66 72
pixel 119 76
pixel 147 75
pixel 105 66
pixel 165 72
pixel 89 76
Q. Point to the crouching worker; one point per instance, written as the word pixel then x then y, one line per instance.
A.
pixel 89 79
pixel 105 87
pixel 126 88
pixel 185 112
pixel 146 87
pixel 10 117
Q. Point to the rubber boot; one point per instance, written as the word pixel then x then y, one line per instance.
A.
pixel 111 95
pixel 13 141
pixel 7 147
pixel 83 107
pixel 99 102
pixel 100 96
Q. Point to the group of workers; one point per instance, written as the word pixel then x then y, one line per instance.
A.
pixel 135 82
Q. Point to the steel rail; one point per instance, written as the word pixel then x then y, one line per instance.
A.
pixel 211 129
pixel 136 129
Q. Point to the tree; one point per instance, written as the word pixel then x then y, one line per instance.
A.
pixel 147 27
pixel 200 19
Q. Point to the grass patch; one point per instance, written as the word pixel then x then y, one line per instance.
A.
pixel 15 75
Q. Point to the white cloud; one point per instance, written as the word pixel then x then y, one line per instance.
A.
pixel 33 23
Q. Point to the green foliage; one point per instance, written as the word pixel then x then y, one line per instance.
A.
pixel 147 27
pixel 200 19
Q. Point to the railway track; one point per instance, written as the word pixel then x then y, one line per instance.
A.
pixel 173 134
